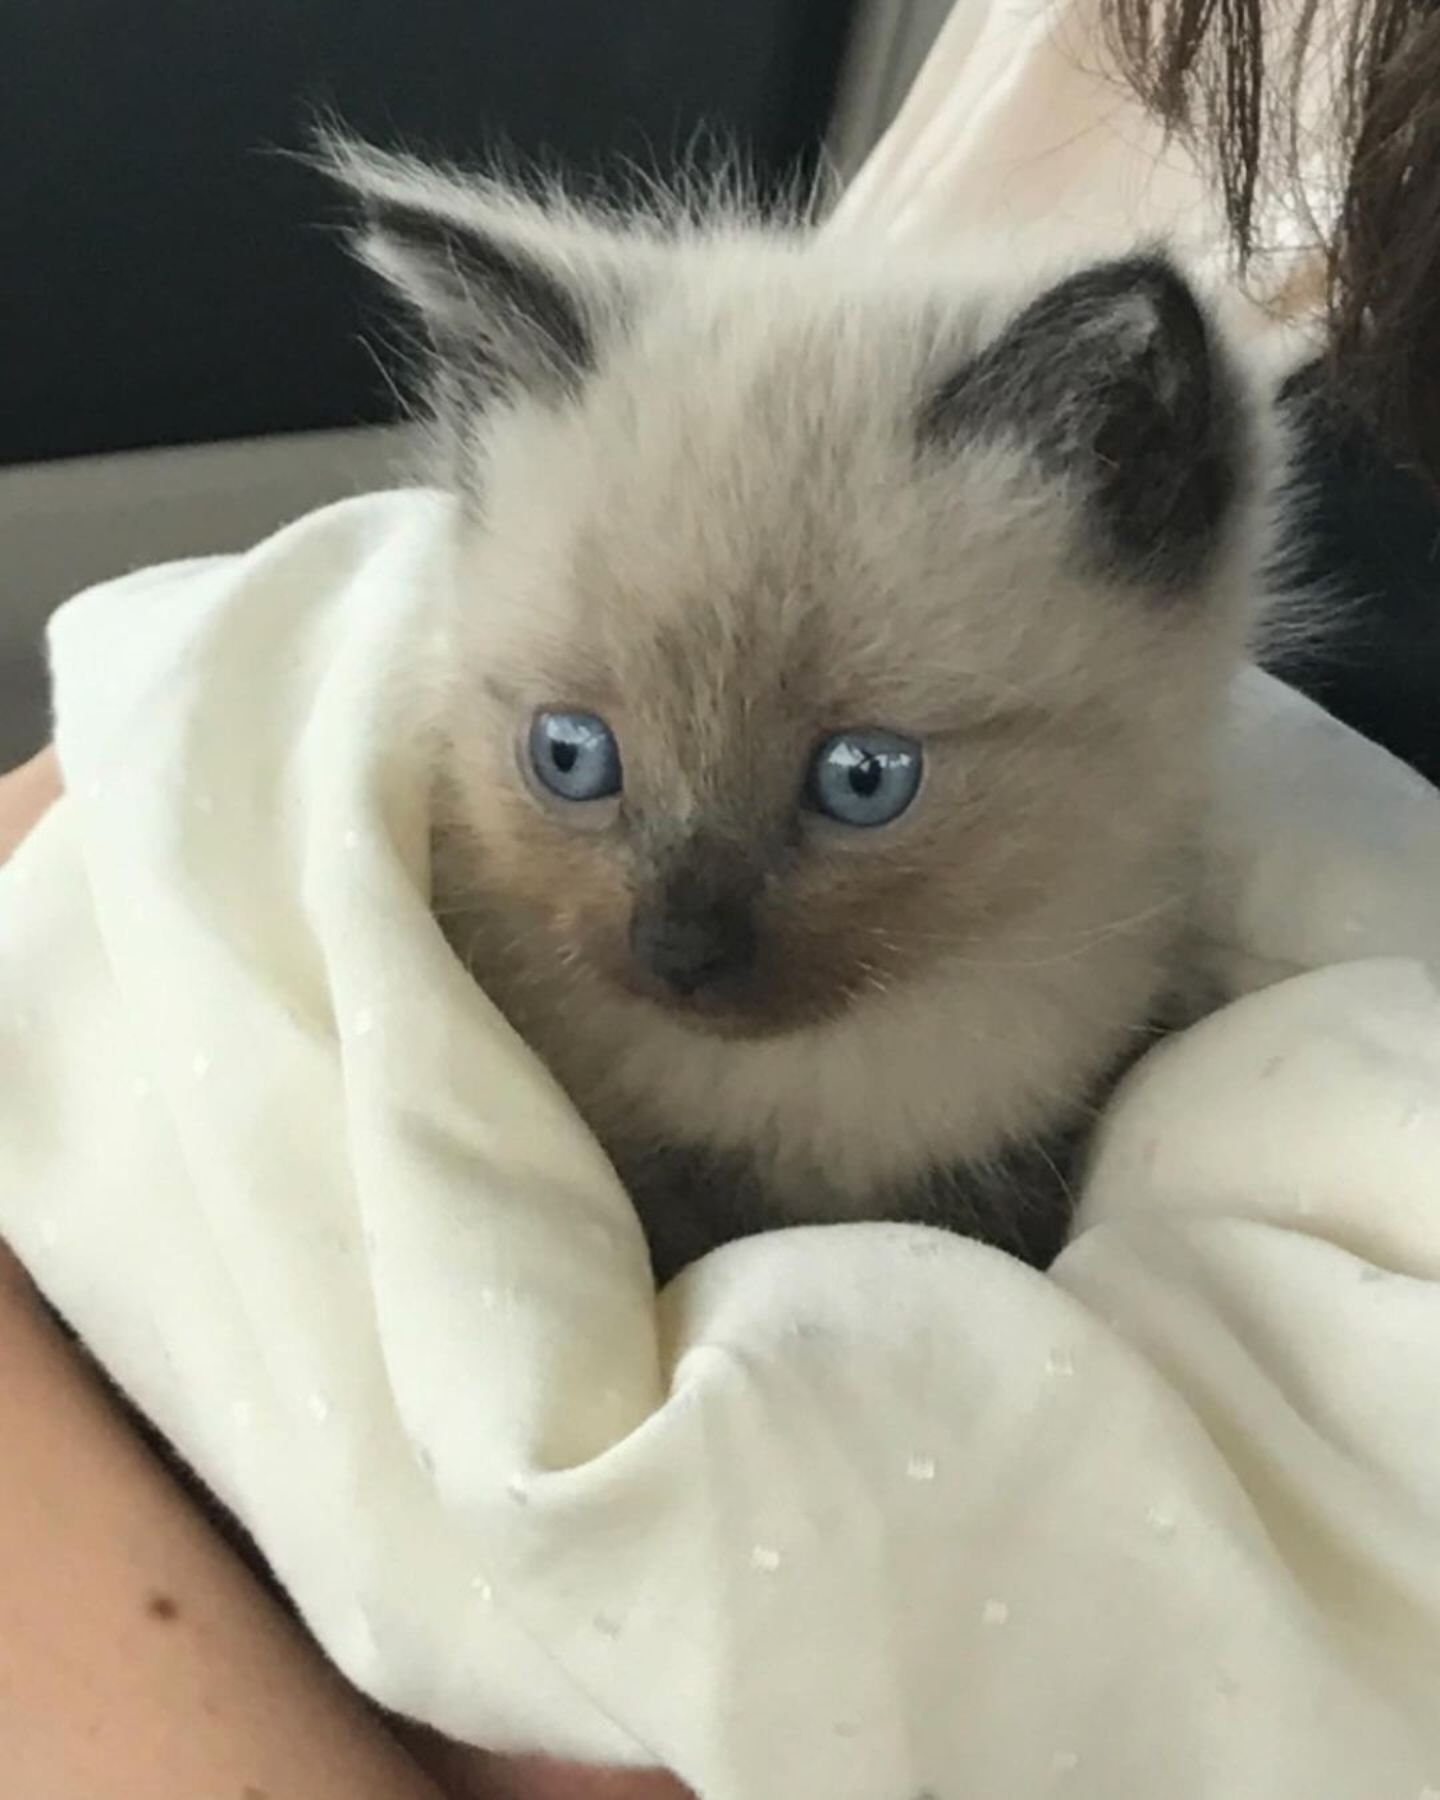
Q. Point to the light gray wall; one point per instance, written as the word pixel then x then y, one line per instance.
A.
pixel 66 525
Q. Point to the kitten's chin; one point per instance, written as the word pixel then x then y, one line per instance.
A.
pixel 752 1016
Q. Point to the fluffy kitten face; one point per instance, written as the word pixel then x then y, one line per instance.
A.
pixel 734 497
pixel 729 594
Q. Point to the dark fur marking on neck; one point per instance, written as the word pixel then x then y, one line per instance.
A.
pixel 692 1200
pixel 1021 1199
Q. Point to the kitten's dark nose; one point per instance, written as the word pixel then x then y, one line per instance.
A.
pixel 689 944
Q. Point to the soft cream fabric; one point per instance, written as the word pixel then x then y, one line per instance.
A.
pixel 1017 125
pixel 860 1512
pixel 1020 128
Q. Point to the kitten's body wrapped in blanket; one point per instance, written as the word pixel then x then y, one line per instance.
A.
pixel 829 693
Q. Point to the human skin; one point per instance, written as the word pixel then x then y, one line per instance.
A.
pixel 138 1653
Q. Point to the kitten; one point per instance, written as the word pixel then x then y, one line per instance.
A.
pixel 838 638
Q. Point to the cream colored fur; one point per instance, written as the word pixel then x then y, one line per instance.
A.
pixel 722 535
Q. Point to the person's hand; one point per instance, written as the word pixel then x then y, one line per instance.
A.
pixel 466 1774
pixel 25 796
pixel 532 1779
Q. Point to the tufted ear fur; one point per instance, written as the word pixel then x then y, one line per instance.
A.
pixel 515 292
pixel 1114 379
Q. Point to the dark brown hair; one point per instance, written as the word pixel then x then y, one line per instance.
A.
pixel 1225 77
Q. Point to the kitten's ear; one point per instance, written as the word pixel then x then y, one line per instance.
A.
pixel 1114 380
pixel 515 292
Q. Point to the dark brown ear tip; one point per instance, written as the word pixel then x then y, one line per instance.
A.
pixel 1115 379
pixel 1153 269
pixel 1151 280
pixel 1178 307
pixel 1131 310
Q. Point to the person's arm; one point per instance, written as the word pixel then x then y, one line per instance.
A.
pixel 138 1655
pixel 25 795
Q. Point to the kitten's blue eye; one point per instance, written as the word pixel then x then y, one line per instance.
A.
pixel 575 756
pixel 864 778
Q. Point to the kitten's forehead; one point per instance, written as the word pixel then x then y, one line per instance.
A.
pixel 721 486
pixel 736 531
pixel 728 437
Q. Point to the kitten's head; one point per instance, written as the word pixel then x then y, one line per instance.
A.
pixel 820 616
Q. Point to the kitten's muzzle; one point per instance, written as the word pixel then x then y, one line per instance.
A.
pixel 692 945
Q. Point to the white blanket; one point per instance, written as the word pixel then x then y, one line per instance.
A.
pixel 862 1513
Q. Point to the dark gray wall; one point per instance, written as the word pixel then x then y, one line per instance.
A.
pixel 166 278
